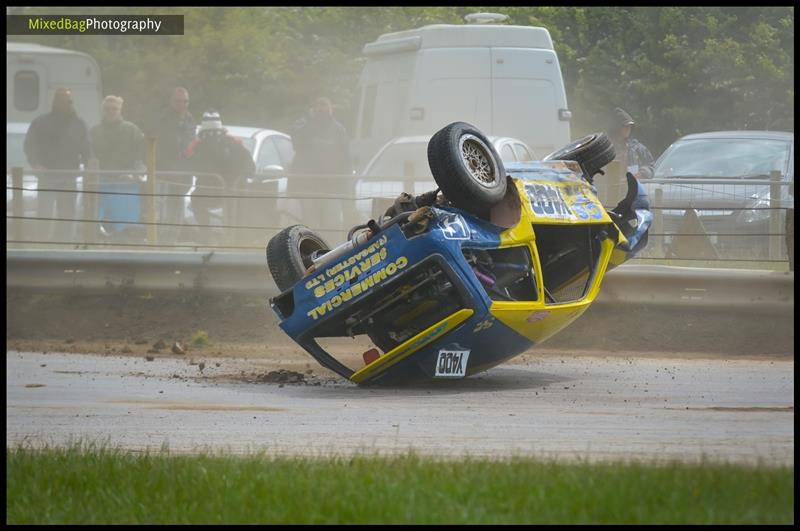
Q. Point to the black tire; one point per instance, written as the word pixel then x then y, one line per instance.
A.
pixel 290 253
pixel 467 168
pixel 592 152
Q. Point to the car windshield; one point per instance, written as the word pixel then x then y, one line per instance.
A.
pixel 402 160
pixel 724 157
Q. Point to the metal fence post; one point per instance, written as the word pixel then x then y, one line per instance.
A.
pixel 658 221
pixel 17 205
pixel 603 182
pixel 775 215
pixel 150 202
pixel 90 210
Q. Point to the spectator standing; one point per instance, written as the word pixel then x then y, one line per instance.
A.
pixel 118 145
pixel 635 157
pixel 215 151
pixel 789 227
pixel 321 143
pixel 58 140
pixel 174 131
pixel 322 147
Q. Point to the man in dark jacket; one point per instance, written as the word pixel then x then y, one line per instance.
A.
pixel 174 130
pixel 635 157
pixel 58 140
pixel 217 152
pixel 322 148
pixel 320 142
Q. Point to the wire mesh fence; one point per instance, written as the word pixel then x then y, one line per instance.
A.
pixel 725 220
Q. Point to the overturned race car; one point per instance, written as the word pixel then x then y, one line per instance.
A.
pixel 452 282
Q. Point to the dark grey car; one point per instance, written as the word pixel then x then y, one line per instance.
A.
pixel 727 177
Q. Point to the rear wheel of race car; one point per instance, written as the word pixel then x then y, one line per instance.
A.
pixel 592 152
pixel 291 252
pixel 467 168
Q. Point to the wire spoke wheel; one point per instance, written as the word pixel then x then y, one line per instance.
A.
pixel 592 152
pixel 478 159
pixel 467 168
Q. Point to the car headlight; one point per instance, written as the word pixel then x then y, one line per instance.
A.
pixel 760 205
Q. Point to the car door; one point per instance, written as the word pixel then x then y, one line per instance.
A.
pixel 285 148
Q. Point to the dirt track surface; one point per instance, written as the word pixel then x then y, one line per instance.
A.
pixel 131 323
pixel 656 390
pixel 563 407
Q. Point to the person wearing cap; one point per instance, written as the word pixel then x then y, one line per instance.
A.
pixel 635 156
pixel 215 151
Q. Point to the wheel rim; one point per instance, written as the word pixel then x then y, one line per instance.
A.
pixel 478 160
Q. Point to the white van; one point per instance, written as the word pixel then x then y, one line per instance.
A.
pixel 34 72
pixel 505 80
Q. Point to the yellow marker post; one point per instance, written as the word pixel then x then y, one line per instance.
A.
pixel 774 245
pixel 90 210
pixel 16 202
pixel 658 221
pixel 611 182
pixel 150 208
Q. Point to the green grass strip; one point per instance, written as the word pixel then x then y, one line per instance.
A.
pixel 89 484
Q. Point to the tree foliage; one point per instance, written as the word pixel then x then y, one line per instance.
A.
pixel 677 70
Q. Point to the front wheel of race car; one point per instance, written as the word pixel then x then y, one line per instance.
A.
pixel 467 168
pixel 592 152
pixel 291 252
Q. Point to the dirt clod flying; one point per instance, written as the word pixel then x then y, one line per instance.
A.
pixel 282 376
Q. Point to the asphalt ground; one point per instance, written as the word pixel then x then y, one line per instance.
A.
pixel 565 407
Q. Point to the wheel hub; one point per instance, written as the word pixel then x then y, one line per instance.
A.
pixel 477 159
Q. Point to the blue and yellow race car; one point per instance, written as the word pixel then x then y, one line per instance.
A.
pixel 455 281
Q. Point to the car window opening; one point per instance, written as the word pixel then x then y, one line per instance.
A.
pixel 569 256
pixel 506 274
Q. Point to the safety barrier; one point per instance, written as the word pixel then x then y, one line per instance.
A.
pixel 640 308
pixel 221 271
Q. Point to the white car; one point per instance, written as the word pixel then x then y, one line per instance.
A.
pixel 402 165
pixel 273 154
pixel 272 150
pixel 15 158
pixel 407 156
